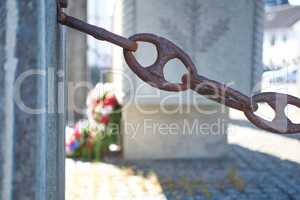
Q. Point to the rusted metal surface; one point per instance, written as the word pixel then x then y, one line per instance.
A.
pixel 154 74
pixel 96 32
pixel 220 93
pixel 281 123
pixel 63 3
pixel 213 90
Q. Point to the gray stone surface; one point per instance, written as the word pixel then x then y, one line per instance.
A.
pixel 176 135
pixel 224 41
pixel 258 37
pixel 78 71
pixel 273 182
pixel 2 60
pixel 31 141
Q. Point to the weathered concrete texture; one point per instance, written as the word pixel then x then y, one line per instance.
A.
pixel 2 60
pixel 78 72
pixel 186 134
pixel 258 37
pixel 221 39
pixel 29 96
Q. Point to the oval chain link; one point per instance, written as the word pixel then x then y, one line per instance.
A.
pixel 154 74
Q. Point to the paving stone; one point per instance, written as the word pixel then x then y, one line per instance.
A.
pixel 189 179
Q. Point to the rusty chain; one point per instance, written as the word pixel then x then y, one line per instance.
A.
pixel 213 90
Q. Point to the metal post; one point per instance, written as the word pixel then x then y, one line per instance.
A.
pixel 31 101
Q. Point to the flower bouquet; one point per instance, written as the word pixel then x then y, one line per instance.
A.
pixel 89 139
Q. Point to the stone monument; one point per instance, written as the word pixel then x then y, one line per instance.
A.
pixel 223 39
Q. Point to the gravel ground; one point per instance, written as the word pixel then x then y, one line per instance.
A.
pixel 260 166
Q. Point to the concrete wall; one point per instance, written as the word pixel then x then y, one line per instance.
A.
pixel 78 72
pixel 31 111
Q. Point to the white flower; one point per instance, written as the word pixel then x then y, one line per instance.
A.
pixel 106 110
pixel 92 97
pixel 98 109
pixel 69 152
pixel 69 134
pixel 82 124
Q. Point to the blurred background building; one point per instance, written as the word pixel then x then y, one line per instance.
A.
pixel 281 55
pixel 100 13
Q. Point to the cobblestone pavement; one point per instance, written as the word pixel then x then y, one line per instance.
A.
pixel 259 166
pixel 243 175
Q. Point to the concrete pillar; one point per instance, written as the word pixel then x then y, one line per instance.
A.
pixel 78 72
pixel 31 111
pixel 222 38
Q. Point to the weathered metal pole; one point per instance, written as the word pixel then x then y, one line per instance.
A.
pixel 31 111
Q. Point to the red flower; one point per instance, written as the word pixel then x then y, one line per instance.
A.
pixel 110 101
pixel 104 120
pixel 77 133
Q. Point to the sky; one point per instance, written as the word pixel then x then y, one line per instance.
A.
pixel 100 13
pixel 294 2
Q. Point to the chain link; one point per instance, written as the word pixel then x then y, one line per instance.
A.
pixel 96 32
pixel 213 90
pixel 220 93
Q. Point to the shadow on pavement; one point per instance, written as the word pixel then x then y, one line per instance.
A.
pixel 244 174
